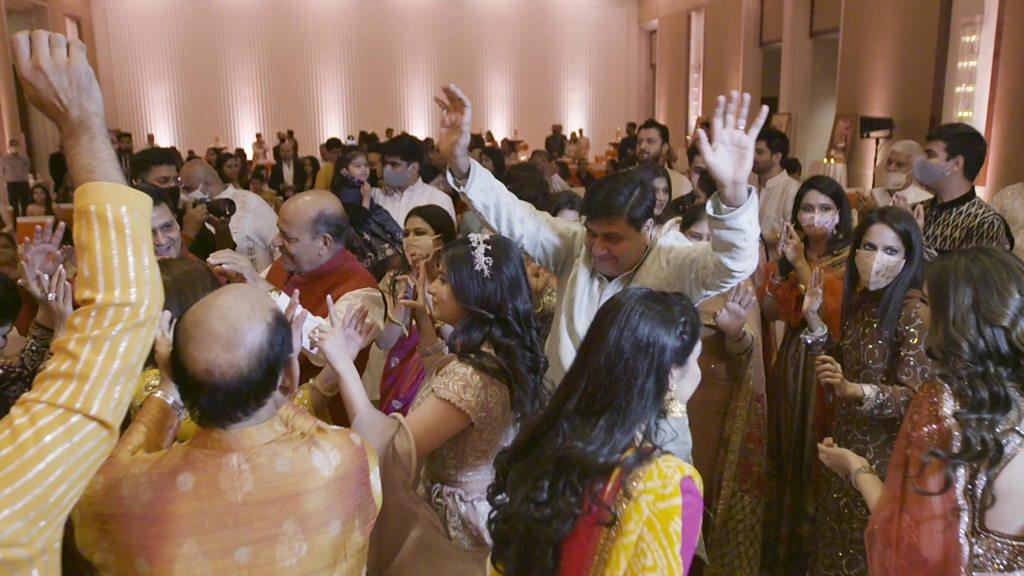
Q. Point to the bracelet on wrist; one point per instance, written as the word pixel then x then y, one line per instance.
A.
pixel 865 469
pixel 177 405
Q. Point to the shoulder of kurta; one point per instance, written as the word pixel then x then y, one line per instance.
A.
pixel 469 390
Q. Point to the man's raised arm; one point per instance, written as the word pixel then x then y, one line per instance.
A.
pixel 57 435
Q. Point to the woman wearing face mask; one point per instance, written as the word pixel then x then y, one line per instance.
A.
pixel 812 261
pixel 727 420
pixel 437 462
pixel 873 372
pixel 427 229
pixel 586 487
pixel 377 238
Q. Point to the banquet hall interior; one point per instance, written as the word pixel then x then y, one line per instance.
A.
pixel 524 287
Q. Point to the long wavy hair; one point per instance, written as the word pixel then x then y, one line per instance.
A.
pixel 976 342
pixel 910 278
pixel 844 229
pixel 499 312
pixel 614 391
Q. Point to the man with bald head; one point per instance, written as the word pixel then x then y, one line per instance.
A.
pixel 254 224
pixel 262 488
pixel 311 231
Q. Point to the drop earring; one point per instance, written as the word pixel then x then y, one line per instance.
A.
pixel 673 407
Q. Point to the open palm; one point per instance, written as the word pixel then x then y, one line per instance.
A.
pixel 456 119
pixel 729 154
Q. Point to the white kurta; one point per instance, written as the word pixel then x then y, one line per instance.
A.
pixel 776 202
pixel 914 195
pixel 253 227
pixel 698 271
pixel 399 203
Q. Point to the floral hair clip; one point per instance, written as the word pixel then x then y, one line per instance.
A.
pixel 481 261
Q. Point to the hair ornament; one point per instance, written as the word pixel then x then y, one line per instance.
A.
pixel 481 261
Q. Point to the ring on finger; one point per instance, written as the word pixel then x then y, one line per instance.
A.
pixel 50 296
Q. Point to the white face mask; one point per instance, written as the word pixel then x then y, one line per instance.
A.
pixel 877 269
pixel 895 180
pixel 196 194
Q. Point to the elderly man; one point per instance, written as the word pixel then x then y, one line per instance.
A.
pixel 262 488
pixel 57 435
pixel 288 173
pixel 254 224
pixel 897 180
pixel 312 228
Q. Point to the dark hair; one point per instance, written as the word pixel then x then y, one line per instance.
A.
pixel 145 160
pixel 563 201
pixel 185 282
pixel 844 230
pixel 429 171
pixel 693 215
pixel 314 164
pixel 47 201
pixel 405 147
pixel 333 144
pixel 911 277
pixel 584 433
pixel 539 152
pixel 348 157
pixel 622 194
pixel 221 402
pixel 976 343
pixel 124 134
pixel 159 196
pixel 10 300
pixel 962 140
pixel 651 171
pixel 497 158
pixel 651 123
pixel 440 221
pixel 223 159
pixel 792 166
pixel 527 182
pixel 691 153
pixel 775 140
pixel 476 141
pixel 499 312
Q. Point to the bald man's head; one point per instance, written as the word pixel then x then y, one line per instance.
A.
pixel 312 228
pixel 228 355
pixel 198 175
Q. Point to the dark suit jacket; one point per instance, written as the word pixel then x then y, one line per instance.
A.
pixel 277 175
pixel 555 145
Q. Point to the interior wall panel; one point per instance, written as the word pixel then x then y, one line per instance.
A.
pixel 192 70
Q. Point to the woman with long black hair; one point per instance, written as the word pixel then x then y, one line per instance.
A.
pixel 811 266
pixel 434 521
pixel 585 487
pixel 952 499
pixel 873 371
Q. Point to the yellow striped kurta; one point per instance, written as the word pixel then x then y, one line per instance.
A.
pixel 58 434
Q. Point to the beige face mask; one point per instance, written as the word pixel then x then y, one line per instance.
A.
pixel 420 247
pixel 876 269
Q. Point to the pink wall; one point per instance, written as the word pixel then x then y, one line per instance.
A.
pixel 189 71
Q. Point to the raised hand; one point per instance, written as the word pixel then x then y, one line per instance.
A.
pixel 813 299
pixel 456 120
pixel 61 305
pixel 539 279
pixel 418 302
pixel 57 78
pixel 791 246
pixel 42 252
pixel 296 317
pixel 729 155
pixel 733 315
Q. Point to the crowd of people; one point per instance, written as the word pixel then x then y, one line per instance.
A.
pixel 665 367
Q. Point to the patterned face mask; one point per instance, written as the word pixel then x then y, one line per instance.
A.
pixel 877 269
pixel 824 223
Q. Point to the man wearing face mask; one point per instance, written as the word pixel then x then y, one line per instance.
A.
pixel 897 180
pixel 403 189
pixel 158 167
pixel 15 171
pixel 956 218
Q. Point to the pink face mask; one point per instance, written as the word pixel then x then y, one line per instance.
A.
pixel 821 223
pixel 876 269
